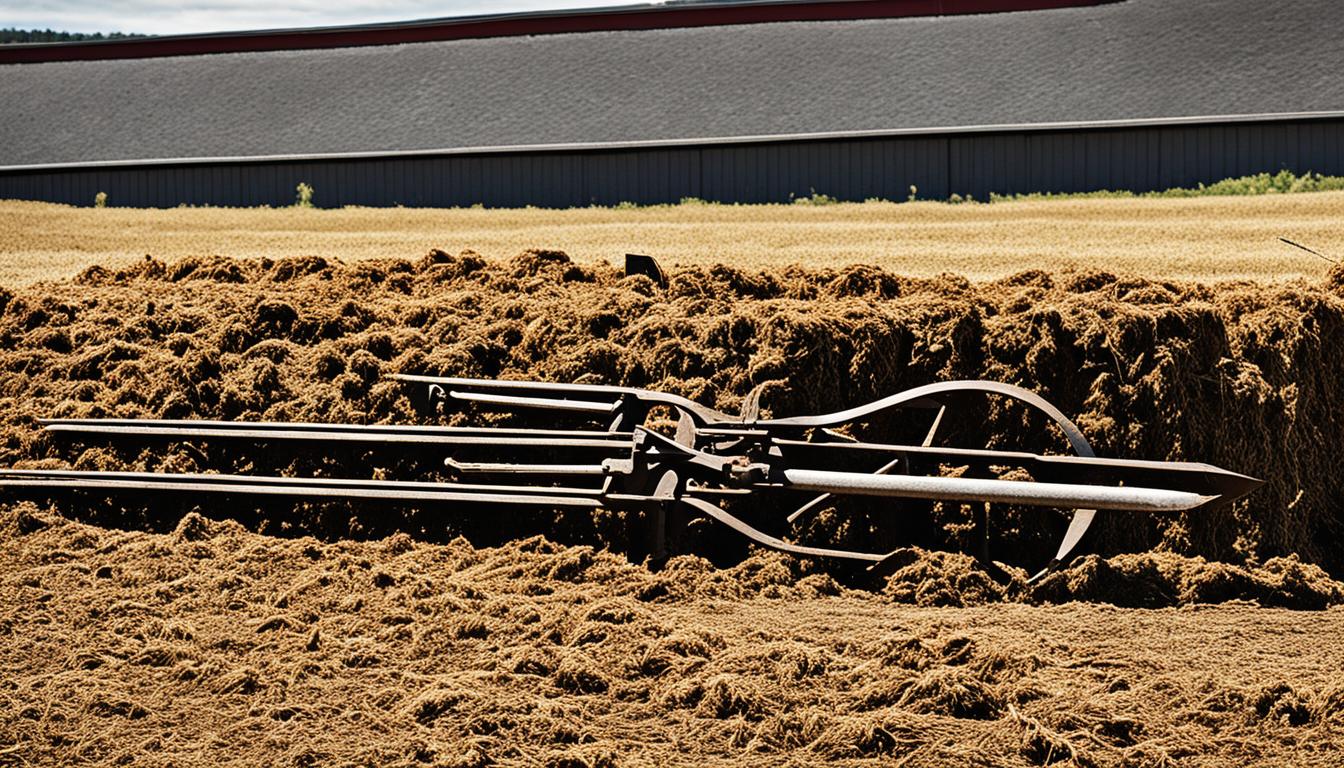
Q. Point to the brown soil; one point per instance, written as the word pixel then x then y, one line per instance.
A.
pixel 211 645
pixel 144 632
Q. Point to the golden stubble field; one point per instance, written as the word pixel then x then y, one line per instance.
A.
pixel 1206 238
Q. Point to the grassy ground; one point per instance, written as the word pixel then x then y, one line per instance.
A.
pixel 1206 238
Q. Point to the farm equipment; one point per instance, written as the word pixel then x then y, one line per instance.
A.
pixel 617 462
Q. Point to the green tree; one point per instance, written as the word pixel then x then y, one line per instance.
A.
pixel 12 35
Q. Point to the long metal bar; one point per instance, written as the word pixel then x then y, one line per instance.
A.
pixel 1064 495
pixel 505 385
pixel 319 427
pixel 500 468
pixel 398 490
pixel 333 482
pixel 354 434
pixel 544 403
pixel 552 391
pixel 1185 475
pixel 243 433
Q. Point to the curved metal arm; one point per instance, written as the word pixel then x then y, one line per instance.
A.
pixel 766 540
pixel 1082 518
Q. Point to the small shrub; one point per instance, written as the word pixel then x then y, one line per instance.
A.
pixel 815 198
pixel 303 197
pixel 100 200
pixel 1283 182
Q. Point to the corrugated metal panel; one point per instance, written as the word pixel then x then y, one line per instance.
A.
pixel 1137 158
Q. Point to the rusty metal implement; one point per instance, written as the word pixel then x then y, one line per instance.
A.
pixel 617 463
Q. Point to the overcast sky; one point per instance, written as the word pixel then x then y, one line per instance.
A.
pixel 166 17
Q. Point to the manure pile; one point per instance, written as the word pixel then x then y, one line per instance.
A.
pixel 1244 376
pixel 212 645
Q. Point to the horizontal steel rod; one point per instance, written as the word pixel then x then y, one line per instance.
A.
pixel 355 437
pixel 507 385
pixel 1065 495
pixel 290 491
pixel 992 456
pixel 1184 475
pixel 500 468
pixel 546 390
pixel 308 426
pixel 324 433
pixel 545 403
pixel 288 486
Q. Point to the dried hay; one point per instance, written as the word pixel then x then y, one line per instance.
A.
pixel 1236 374
pixel 213 644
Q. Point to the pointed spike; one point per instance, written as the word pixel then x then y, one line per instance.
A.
pixel 751 406
pixel 933 428
pixel 1233 485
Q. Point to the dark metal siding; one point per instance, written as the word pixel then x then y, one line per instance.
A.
pixel 1138 159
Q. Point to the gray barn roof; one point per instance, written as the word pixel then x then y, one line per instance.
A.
pixel 1136 60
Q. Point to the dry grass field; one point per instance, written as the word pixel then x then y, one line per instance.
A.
pixel 1205 238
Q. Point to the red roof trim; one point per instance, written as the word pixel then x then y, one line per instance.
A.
pixel 512 25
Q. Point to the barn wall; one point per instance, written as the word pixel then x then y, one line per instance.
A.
pixel 1137 159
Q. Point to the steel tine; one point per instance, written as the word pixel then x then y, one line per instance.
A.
pixel 549 390
pixel 316 429
pixel 446 436
pixel 139 482
pixel 545 403
pixel 1077 527
pixel 933 428
pixel 751 405
pixel 499 468
pixel 1066 495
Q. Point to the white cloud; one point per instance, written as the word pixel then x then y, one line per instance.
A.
pixel 165 18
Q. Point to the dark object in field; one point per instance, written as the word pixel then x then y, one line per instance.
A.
pixel 617 463
pixel 636 264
